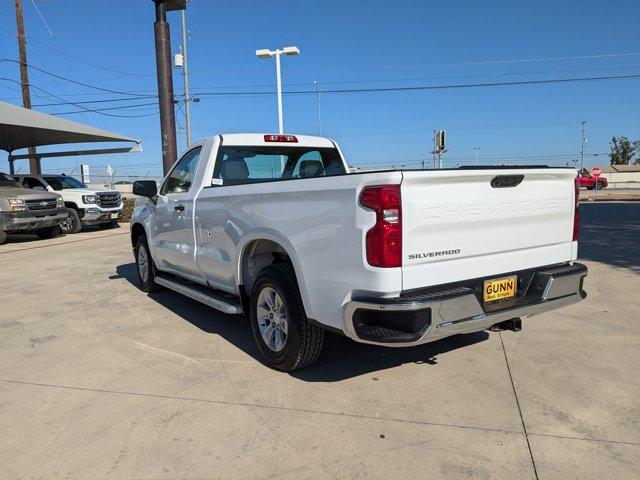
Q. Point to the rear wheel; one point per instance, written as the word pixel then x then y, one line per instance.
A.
pixel 285 337
pixel 145 268
pixel 49 232
pixel 3 236
pixel 72 224
pixel 599 185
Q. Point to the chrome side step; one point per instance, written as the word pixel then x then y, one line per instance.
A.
pixel 208 298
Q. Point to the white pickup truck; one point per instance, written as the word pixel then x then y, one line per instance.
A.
pixel 274 226
pixel 85 205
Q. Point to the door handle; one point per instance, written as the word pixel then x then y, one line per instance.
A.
pixel 179 208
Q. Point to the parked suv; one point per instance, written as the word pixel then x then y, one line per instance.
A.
pixel 26 211
pixel 86 205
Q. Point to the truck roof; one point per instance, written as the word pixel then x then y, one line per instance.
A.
pixel 241 139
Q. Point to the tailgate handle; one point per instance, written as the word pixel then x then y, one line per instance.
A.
pixel 505 181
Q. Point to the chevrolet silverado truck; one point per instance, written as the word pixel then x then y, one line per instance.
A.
pixel 274 227
pixel 86 206
pixel 26 211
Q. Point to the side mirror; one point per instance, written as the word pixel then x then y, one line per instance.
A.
pixel 145 188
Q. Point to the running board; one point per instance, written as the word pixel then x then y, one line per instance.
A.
pixel 201 295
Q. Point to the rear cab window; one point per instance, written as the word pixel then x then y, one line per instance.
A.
pixel 237 165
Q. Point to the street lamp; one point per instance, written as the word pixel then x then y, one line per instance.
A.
pixel 266 53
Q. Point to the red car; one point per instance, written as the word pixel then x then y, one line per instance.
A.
pixel 590 182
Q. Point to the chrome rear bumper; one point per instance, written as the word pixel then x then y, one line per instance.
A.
pixel 459 310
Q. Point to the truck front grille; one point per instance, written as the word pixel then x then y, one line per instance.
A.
pixel 36 205
pixel 108 199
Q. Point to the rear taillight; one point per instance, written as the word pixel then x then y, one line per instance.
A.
pixel 576 212
pixel 384 239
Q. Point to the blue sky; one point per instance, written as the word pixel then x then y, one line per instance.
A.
pixel 345 45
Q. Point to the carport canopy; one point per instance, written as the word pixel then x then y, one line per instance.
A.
pixel 23 128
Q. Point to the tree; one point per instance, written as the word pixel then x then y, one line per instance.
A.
pixel 622 151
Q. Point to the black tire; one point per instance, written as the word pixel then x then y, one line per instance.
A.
pixel 599 186
pixel 111 224
pixel 304 340
pixel 49 232
pixel 3 236
pixel 149 284
pixel 72 224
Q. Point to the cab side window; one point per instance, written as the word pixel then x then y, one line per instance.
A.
pixel 181 177
pixel 33 183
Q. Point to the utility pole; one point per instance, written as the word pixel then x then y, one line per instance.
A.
pixel 185 74
pixel 34 161
pixel 165 81
pixel 476 150
pixel 582 142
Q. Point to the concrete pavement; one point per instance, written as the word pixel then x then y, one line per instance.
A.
pixel 99 380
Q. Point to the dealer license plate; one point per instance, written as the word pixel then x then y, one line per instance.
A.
pixel 114 215
pixel 500 288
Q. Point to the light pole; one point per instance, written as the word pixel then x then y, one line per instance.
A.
pixel 266 53
pixel 185 74
pixel 582 142
pixel 476 150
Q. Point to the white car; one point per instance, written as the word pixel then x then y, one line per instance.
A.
pixel 86 206
pixel 274 226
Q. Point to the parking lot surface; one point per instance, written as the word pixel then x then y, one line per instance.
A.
pixel 99 380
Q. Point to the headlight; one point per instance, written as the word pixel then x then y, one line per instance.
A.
pixel 16 205
pixel 89 199
pixel 60 202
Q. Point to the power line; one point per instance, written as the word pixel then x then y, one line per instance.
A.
pixel 46 72
pixel 84 109
pixel 548 59
pixel 431 77
pixel 78 59
pixel 465 85
pixel 96 110
pixel 108 100
pixel 425 87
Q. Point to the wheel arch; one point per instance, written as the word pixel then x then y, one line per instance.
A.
pixel 137 231
pixel 263 250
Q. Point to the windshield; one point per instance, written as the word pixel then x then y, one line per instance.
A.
pixel 64 182
pixel 6 181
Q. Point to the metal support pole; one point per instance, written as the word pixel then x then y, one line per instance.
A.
pixel 185 73
pixel 34 162
pixel 165 86
pixel 279 87
pixel 435 165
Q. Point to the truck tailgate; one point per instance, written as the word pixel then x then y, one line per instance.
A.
pixel 456 225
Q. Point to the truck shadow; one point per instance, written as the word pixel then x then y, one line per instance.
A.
pixel 332 366
pixel 609 233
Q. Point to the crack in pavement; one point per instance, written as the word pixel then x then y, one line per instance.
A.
pixel 515 393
